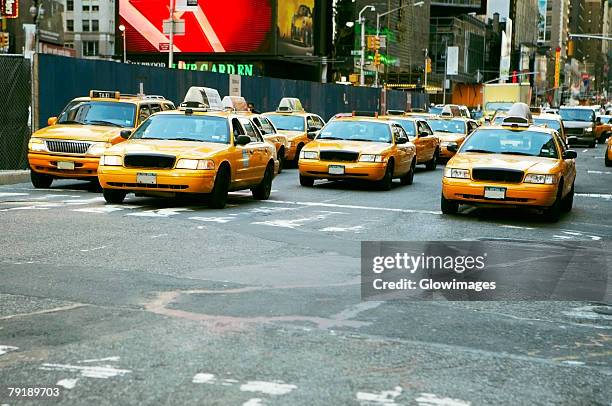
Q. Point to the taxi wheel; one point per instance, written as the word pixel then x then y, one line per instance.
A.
pixel 387 181
pixel 262 191
pixel 218 196
pixel 553 213
pixel 408 178
pixel 568 201
pixel 94 185
pixel 306 181
pixel 448 206
pixel 607 160
pixel 40 180
pixel 297 155
pixel 431 165
pixel 114 196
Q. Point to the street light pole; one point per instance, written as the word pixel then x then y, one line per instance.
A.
pixel 417 4
pixel 362 62
pixel 122 29
pixel 445 69
pixel 171 50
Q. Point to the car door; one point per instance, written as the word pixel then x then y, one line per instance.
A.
pixel 402 157
pixel 241 156
pixel 425 140
pixel 569 165
pixel 257 149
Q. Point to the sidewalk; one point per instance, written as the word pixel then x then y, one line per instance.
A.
pixel 12 177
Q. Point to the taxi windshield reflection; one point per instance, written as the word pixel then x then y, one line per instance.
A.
pixel 356 131
pixel 508 142
pixel 185 128
pixel 113 114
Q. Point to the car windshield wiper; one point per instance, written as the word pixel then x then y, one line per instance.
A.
pixel 363 139
pixel 69 122
pixel 444 131
pixel 516 153
pixel 102 122
pixel 186 139
pixel 330 138
pixel 483 151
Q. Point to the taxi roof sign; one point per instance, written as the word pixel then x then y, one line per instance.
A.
pixel 235 103
pixel 104 94
pixel 519 115
pixel 202 98
pixel 290 104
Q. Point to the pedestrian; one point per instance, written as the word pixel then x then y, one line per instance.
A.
pixel 252 108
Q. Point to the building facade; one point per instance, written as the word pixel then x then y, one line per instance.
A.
pixel 89 27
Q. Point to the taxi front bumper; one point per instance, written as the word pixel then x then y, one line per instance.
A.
pixel 167 180
pixel 84 167
pixel 371 171
pixel 467 191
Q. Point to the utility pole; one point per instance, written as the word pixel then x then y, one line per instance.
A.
pixel 445 69
pixel 171 50
pixel 426 66
pixel 362 63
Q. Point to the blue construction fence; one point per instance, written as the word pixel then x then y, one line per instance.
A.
pixel 61 79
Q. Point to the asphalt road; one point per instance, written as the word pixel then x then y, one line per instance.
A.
pixel 170 303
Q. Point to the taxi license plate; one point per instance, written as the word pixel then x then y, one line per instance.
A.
pixel 65 165
pixel 146 178
pixel 335 170
pixel 494 193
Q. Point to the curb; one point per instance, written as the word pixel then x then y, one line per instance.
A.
pixel 13 177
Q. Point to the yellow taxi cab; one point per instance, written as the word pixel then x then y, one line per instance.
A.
pixel 452 131
pixel 542 119
pixel 239 105
pixel 608 155
pixel 71 145
pixel 421 135
pixel 513 164
pixel 359 147
pixel 299 126
pixel 199 149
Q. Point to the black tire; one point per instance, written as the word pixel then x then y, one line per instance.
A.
pixel 281 159
pixel 593 144
pixel 408 178
pixel 306 181
pixel 603 138
pixel 218 196
pixel 448 206
pixel 40 180
pixel 568 201
pixel 297 154
pixel 94 185
pixel 262 191
pixel 386 183
pixel 607 160
pixel 114 196
pixel 433 163
pixel 553 213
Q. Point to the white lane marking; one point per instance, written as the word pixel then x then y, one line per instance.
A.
pixel 83 201
pixel 355 229
pixel 45 206
pixel 100 209
pixel 386 397
pixel 579 234
pixel 204 378
pixel 349 206
pixel 600 172
pixel 571 232
pixel 253 402
pixel 7 348
pixel 12 194
pixel 573 363
pixel 293 224
pixel 596 195
pixel 160 212
pixel 517 227
pixel 220 220
pixel 93 249
pixel 586 312
pixel 158 236
pixel 35 313
pixel 268 210
pixel 562 237
pixel 430 399
pixel 115 359
pixel 67 383
pixel 270 388
pixel 100 372
pixel 585 150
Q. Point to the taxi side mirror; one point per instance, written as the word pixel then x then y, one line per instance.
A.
pixel 598 120
pixel 401 140
pixel 125 134
pixel 312 134
pixel 51 120
pixel 242 140
pixel 452 148
pixel 423 134
pixel 570 154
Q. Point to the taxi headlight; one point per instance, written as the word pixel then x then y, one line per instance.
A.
pixel 309 155
pixel 456 173
pixel 588 130
pixel 38 145
pixel 111 160
pixel 540 179
pixel 370 158
pixel 97 148
pixel 203 164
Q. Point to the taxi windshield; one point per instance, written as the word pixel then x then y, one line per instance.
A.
pixel 287 122
pixel 509 142
pixel 356 131
pixel 114 114
pixel 185 128
pixel 407 125
pixel 447 126
pixel 550 123
pixel 498 106
pixel 435 110
pixel 577 115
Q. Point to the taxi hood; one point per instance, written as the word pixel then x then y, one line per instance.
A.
pixel 577 124
pixel 498 161
pixel 193 149
pixel 291 134
pixel 77 132
pixel 363 147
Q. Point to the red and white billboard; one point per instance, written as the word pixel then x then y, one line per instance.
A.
pixel 9 8
pixel 230 26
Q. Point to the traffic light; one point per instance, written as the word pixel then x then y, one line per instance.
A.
pixel 4 39
pixel 570 48
pixel 428 65
pixel 371 42
pixel 377 43
pixel 376 58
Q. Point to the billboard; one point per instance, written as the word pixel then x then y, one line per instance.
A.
pixel 295 27
pixel 230 26
pixel 9 8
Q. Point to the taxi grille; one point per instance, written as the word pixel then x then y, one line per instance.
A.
pixel 149 161
pixel 339 156
pixel 497 175
pixel 68 147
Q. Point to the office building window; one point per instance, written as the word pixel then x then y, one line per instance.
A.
pixel 70 5
pixel 86 25
pixel 70 25
pixel 95 25
pixel 95 7
pixel 90 48
pixel 85 7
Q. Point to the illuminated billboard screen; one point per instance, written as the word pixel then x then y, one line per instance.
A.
pixel 295 27
pixel 230 26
